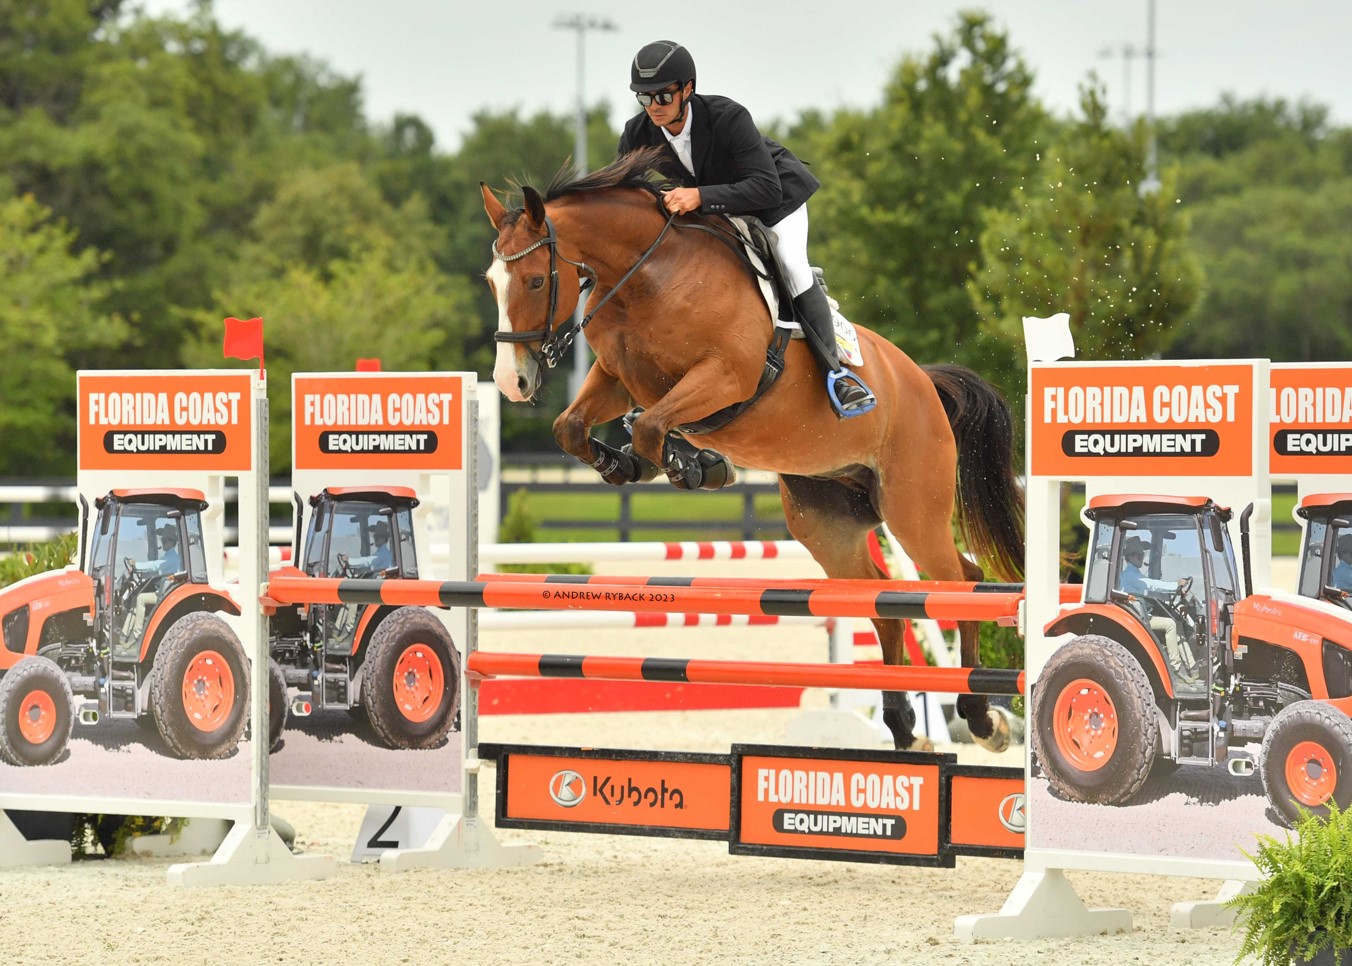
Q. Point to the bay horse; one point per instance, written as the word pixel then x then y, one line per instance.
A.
pixel 680 329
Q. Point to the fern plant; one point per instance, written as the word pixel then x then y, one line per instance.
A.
pixel 1303 902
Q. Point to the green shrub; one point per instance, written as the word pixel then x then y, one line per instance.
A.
pixel 1002 647
pixel 1303 902
pixel 518 526
pixel 38 558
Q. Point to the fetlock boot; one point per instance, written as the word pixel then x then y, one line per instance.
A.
pixel 848 393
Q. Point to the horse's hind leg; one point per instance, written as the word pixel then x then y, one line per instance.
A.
pixel 918 516
pixel 833 519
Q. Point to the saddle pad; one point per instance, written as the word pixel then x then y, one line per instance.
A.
pixel 847 339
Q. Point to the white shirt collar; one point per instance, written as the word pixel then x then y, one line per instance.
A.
pixel 680 143
pixel 685 131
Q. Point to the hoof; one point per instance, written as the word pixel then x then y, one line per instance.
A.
pixel 998 740
pixel 921 743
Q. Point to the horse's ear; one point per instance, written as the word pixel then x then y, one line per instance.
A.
pixel 535 206
pixel 494 207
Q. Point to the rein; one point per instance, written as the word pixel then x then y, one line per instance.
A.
pixel 555 342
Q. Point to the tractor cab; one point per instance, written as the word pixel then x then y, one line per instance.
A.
pixel 144 545
pixel 394 666
pixel 360 532
pixel 1167 564
pixel 1326 554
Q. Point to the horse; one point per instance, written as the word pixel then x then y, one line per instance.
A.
pixel 681 331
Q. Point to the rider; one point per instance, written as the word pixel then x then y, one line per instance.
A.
pixel 1138 584
pixel 1342 570
pixel 735 170
pixel 383 558
pixel 171 561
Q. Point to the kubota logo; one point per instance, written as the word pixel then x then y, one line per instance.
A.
pixel 1012 814
pixel 567 788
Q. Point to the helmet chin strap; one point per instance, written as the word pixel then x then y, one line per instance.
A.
pixel 685 105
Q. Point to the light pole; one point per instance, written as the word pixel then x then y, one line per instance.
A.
pixel 581 22
pixel 1151 184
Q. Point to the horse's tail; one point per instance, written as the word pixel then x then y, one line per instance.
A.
pixel 990 502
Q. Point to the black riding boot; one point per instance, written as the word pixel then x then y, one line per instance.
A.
pixel 848 394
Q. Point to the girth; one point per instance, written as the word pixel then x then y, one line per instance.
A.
pixel 774 366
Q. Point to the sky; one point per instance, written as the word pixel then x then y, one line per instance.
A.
pixel 444 60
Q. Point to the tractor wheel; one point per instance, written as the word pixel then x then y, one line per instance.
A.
pixel 1307 760
pixel 277 704
pixel 200 687
pixel 1095 723
pixel 36 712
pixel 411 686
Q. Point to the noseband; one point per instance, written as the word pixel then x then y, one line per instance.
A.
pixel 555 342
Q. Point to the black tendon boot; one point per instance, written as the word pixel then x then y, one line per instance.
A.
pixel 848 394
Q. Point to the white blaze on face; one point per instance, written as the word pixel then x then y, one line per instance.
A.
pixel 505 373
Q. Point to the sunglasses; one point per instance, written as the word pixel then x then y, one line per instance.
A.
pixel 662 98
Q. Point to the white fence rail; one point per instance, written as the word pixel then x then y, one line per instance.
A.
pixel 16 530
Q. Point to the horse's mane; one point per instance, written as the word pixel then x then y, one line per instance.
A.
pixel 642 169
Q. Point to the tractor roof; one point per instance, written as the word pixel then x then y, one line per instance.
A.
pixel 1112 505
pixel 168 496
pixel 1324 504
pixel 373 494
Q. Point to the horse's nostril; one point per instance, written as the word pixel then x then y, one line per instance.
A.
pixel 522 385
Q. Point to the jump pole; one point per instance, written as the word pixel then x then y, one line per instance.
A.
pixel 486 664
pixel 290 586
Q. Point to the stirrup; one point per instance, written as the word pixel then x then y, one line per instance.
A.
pixel 867 404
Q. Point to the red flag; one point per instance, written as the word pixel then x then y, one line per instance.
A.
pixel 368 365
pixel 244 339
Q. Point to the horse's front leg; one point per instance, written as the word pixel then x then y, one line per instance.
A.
pixel 601 399
pixel 704 389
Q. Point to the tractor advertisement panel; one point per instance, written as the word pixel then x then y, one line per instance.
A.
pixel 372 695
pixel 1156 698
pixel 125 678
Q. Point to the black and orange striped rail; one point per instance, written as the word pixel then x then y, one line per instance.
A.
pixel 825 599
pixel 871 677
pixel 1069 593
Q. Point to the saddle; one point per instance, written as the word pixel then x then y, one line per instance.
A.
pixel 760 240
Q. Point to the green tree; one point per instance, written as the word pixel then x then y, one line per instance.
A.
pixel 337 274
pixel 48 314
pixel 1279 265
pixel 506 151
pixel 1082 237
pixel 906 188
pixel 1269 187
pixel 156 139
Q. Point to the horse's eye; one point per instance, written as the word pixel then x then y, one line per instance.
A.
pixel 536 281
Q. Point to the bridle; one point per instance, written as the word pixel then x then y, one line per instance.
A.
pixel 555 341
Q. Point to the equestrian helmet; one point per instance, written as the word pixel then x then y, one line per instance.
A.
pixel 660 64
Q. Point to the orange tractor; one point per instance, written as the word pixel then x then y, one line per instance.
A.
pixel 135 631
pixel 394 666
pixel 1180 664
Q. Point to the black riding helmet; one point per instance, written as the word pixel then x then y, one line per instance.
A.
pixel 660 64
